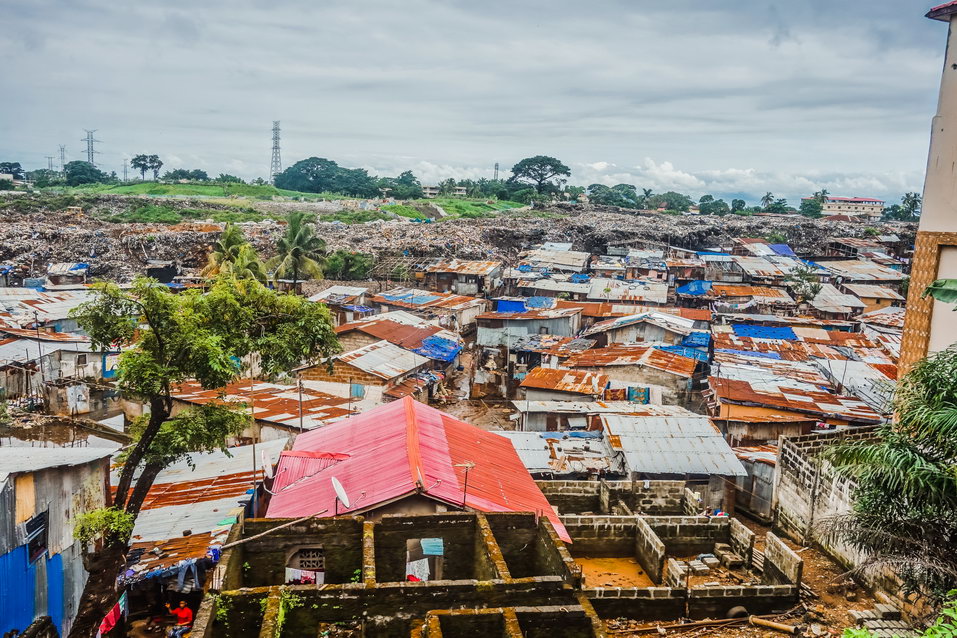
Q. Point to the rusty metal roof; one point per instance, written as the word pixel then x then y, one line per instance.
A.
pixel 464 267
pixel 892 317
pixel 860 270
pixel 423 299
pixel 562 380
pixel 763 294
pixel 671 322
pixel 868 291
pixel 403 335
pixel 642 355
pixel 534 313
pixel 823 404
pixel 552 344
pixel 383 359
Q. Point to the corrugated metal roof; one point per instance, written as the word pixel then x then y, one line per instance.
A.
pixel 405 448
pixel 830 299
pixel 21 303
pixel 671 322
pixel 562 453
pixel 860 270
pixel 529 315
pixel 761 294
pixel 823 404
pixel 599 407
pixel 643 355
pixel 340 294
pixel 20 350
pixel 552 344
pixel 419 299
pixel 604 309
pixel 273 402
pixel 464 267
pixel 758 266
pixel 383 359
pixel 562 380
pixel 409 337
pixel 632 290
pixel 891 316
pixel 557 259
pixel 15 460
pixel 868 291
pixel 687 444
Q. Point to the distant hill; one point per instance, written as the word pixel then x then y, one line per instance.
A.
pixel 194 189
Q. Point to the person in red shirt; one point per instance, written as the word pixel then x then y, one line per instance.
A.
pixel 184 620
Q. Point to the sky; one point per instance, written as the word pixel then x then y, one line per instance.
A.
pixel 730 97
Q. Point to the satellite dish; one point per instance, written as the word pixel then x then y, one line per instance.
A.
pixel 267 466
pixel 340 492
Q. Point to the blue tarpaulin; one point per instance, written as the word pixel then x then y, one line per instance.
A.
pixel 579 278
pixel 539 302
pixel 16 603
pixel 697 340
pixel 412 298
pixel 432 546
pixel 584 435
pixel 524 268
pixel 684 351
pixel 438 348
pixel 510 305
pixel 711 252
pixel 696 288
pixel 751 353
pixel 782 249
pixel 80 267
pixel 354 308
pixel 764 332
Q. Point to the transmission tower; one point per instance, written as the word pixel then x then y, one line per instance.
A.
pixel 276 166
pixel 90 152
pixel 49 162
pixel 62 157
pixel 495 177
pixel 126 165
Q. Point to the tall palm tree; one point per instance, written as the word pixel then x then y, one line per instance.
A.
pixel 821 196
pixel 905 500
pixel 646 194
pixel 299 252
pixel 768 199
pixel 246 265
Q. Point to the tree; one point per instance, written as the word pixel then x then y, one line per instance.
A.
pixel 737 204
pixel 196 175
pixel 670 200
pixel 622 195
pixel 911 203
pixel 299 251
pixel 155 165
pixel 233 254
pixel 318 175
pixel 543 172
pixel 447 187
pixel 905 497
pixel 708 205
pixel 894 212
pixel 821 196
pixel 767 200
pixel 6 185
pixel 811 207
pixel 646 194
pixel 78 172
pixel 226 178
pixel 805 283
pixel 141 163
pixel 346 265
pixel 12 168
pixel 405 186
pixel 778 206
pixel 574 192
pixel 168 339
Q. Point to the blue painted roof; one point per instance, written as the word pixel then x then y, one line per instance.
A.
pixel 684 351
pixel 698 287
pixel 764 332
pixel 697 340
pixel 509 305
pixel 752 353
pixel 711 252
pixel 783 249
pixel 412 298
pixel 438 348
pixel 539 302
pixel 579 278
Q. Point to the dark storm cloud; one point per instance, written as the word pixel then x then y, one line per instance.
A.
pixel 725 96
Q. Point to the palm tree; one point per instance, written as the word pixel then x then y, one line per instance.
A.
pixel 911 202
pixel 768 199
pixel 155 165
pixel 821 196
pixel 225 250
pixel 646 194
pixel 299 252
pixel 246 265
pixel 905 499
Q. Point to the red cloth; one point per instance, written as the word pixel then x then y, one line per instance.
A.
pixel 184 616
pixel 111 619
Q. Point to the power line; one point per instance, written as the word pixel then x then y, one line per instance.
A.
pixel 90 151
pixel 276 166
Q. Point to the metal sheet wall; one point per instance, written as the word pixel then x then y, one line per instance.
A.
pixel 18 578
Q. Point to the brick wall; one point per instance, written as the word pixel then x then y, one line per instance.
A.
pixel 341 373
pixel 781 565
pixel 687 535
pixel 604 497
pixel 649 550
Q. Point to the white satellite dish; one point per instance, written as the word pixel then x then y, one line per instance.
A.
pixel 267 466
pixel 340 492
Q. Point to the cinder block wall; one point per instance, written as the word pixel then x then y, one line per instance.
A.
pixel 690 535
pixel 661 498
pixel 782 566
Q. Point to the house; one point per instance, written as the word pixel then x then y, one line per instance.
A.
pixel 464 277
pixel 854 271
pixel 278 410
pixel 513 320
pixel 185 519
pixel 551 260
pixel 634 291
pixel 398 371
pixel 634 368
pixel 564 455
pixel 755 492
pixel 857 208
pixel 735 297
pixel 405 330
pixel 684 268
pixel 455 312
pixel 874 297
pixel 654 327
pixel 562 416
pixel 404 457
pixel 831 303
pixel 66 276
pixel 721 267
pixel 559 384
pixel 43 491
pixel 559 285
pixel 595 311
pixel 345 303
pixel 31 308
pixel 546 350
pixel 636 263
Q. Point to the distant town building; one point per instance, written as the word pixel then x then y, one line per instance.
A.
pixel 434 191
pixel 866 208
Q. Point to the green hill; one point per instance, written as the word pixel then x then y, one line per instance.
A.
pixel 194 189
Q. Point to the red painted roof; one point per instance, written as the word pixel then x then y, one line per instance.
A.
pixel 942 11
pixel 400 449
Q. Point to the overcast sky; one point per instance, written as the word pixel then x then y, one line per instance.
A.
pixel 725 96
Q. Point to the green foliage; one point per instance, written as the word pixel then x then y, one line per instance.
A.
pixel 355 216
pixel 871 232
pixel 299 251
pixel 805 283
pixel 545 173
pixel 226 178
pixel 356 576
pixel 12 168
pixel 779 206
pixel 737 205
pixel 670 200
pixel 621 195
pixel 4 414
pixel 945 625
pixel 196 175
pixel 6 185
pixel 776 238
pixel 350 266
pixel 811 208
pixel 317 174
pixel 404 210
pixel 944 290
pixel 405 186
pixel 905 501
pixel 234 255
pixel 109 523
pixel 77 173
pixel 149 214
pixel 708 205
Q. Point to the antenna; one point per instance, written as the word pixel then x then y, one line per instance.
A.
pixel 341 496
pixel 276 166
pixel 495 176
pixel 468 465
pixel 90 151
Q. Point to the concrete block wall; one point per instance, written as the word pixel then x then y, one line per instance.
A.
pixel 572 497
pixel 649 550
pixel 742 540
pixel 601 536
pixel 649 603
pixel 661 498
pixel 689 535
pixel 782 566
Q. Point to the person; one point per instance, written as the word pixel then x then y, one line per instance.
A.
pixel 184 620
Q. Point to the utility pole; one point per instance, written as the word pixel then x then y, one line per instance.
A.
pixel 276 166
pixel 90 151
pixel 49 162
pixel 126 166
pixel 495 177
pixel 62 157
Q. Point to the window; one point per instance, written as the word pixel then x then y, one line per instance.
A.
pixel 81 359
pixel 306 566
pixel 36 529
pixel 424 559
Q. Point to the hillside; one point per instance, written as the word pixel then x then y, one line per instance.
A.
pixel 192 189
